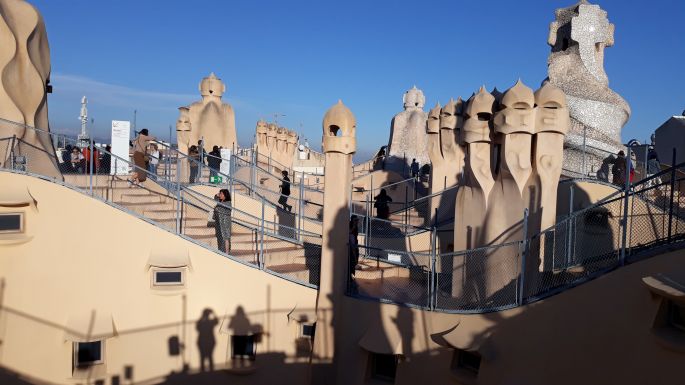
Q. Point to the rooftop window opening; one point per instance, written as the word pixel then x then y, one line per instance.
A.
pixel 11 223
pixel 384 367
pixel 466 362
pixel 484 116
pixel 676 316
pixel 564 44
pixel 308 330
pixel 88 353
pixel 168 277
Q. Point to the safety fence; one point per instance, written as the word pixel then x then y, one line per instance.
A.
pixel 595 163
pixel 272 239
pixel 586 244
pixel 371 165
pixel 241 176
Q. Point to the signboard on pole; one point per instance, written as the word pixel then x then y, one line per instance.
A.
pixel 225 166
pixel 121 133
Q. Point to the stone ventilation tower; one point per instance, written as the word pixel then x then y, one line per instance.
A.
pixel 339 145
pixel 578 38
pixel 24 85
pixel 407 131
pixel 210 119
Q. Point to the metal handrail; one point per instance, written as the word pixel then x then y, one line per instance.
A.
pixel 534 288
pixel 164 183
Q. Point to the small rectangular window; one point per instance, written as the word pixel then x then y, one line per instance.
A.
pixel 465 360
pixel 88 353
pixel 676 316
pixel 243 347
pixel 168 277
pixel 383 367
pixel 11 223
pixel 308 330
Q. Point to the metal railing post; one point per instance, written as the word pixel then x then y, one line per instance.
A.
pixel 524 252
pixel 261 240
pixel 624 235
pixel 90 166
pixel 670 204
pixel 368 220
pixel 300 216
pixel 166 162
pixel 14 139
pixel 644 162
pixel 253 171
pixel 178 196
pixel 584 150
pixel 432 292
pixel 568 228
pixel 231 172
pixel 202 159
pixel 406 205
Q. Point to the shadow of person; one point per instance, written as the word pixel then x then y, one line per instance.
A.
pixel 405 326
pixel 206 342
pixel 240 326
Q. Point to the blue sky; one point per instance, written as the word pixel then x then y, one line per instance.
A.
pixel 299 57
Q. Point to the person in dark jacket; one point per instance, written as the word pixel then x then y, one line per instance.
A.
pixel 285 192
pixel 619 169
pixel 106 162
pixel 214 162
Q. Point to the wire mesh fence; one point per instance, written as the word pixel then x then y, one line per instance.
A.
pixel 584 245
pixel 298 261
pixel 159 197
pixel 483 279
pixel 399 262
pixel 395 276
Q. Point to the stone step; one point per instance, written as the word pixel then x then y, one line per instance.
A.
pixel 143 206
pixel 156 215
pixel 128 198
pixel 186 221
pixel 296 271
pixel 370 270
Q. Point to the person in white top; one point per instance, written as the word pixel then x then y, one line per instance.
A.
pixel 153 153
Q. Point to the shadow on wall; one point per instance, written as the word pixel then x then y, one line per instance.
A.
pixel 206 342
pixel 281 370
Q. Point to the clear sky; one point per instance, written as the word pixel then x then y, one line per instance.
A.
pixel 297 58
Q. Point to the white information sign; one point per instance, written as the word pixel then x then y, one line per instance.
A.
pixel 121 133
pixel 397 258
pixel 225 166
